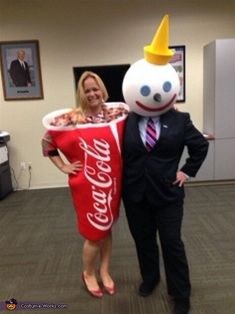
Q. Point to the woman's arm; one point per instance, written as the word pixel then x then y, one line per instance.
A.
pixel 70 168
pixel 50 150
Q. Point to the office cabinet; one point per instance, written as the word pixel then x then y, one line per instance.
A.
pixel 224 159
pixel 219 88
pixel 5 171
pixel 219 104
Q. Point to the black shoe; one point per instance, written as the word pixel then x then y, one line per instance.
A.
pixel 182 306
pixel 145 289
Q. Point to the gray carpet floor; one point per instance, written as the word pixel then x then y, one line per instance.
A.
pixel 40 256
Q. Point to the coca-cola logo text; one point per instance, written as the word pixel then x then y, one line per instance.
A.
pixel 97 171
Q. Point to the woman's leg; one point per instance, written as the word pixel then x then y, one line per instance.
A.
pixel 91 250
pixel 105 257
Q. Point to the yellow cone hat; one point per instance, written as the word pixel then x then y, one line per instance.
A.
pixel 158 52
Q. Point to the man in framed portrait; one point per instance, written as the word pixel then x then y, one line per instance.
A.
pixel 19 71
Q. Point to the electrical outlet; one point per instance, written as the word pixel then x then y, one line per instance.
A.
pixel 23 165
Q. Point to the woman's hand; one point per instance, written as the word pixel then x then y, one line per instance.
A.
pixel 72 168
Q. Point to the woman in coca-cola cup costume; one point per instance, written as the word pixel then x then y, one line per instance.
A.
pixel 90 137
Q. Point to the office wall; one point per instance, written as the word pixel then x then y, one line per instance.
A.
pixel 77 33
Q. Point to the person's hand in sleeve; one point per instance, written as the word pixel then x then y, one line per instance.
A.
pixel 72 168
pixel 181 178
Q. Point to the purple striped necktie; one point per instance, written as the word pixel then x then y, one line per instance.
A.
pixel 151 134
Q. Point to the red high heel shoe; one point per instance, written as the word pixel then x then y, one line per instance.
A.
pixel 94 293
pixel 110 290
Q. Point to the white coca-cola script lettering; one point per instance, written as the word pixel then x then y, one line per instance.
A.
pixel 97 171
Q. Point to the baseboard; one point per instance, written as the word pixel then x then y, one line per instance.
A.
pixel 210 182
pixel 189 183
pixel 44 187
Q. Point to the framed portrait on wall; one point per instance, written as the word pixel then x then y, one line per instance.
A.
pixel 21 70
pixel 178 62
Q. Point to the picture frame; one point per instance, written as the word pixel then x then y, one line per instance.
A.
pixel 178 62
pixel 21 70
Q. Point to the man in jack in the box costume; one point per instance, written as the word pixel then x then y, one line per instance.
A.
pixel 153 184
pixel 90 137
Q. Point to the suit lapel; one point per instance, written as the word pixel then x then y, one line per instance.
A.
pixel 168 122
pixel 165 121
pixel 134 129
pixel 164 126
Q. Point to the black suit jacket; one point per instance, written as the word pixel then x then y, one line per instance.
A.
pixel 151 174
pixel 20 76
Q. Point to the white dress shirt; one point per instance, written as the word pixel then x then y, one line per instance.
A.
pixel 22 63
pixel 143 125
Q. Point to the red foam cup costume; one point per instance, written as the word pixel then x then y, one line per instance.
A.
pixel 96 189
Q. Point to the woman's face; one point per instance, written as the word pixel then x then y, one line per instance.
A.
pixel 93 93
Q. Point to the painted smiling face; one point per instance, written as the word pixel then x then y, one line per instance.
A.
pixel 150 89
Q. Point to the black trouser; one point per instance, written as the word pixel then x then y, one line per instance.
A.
pixel 145 221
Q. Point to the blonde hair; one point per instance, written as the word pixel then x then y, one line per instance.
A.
pixel 81 97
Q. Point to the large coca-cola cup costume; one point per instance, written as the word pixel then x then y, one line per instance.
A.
pixel 96 188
